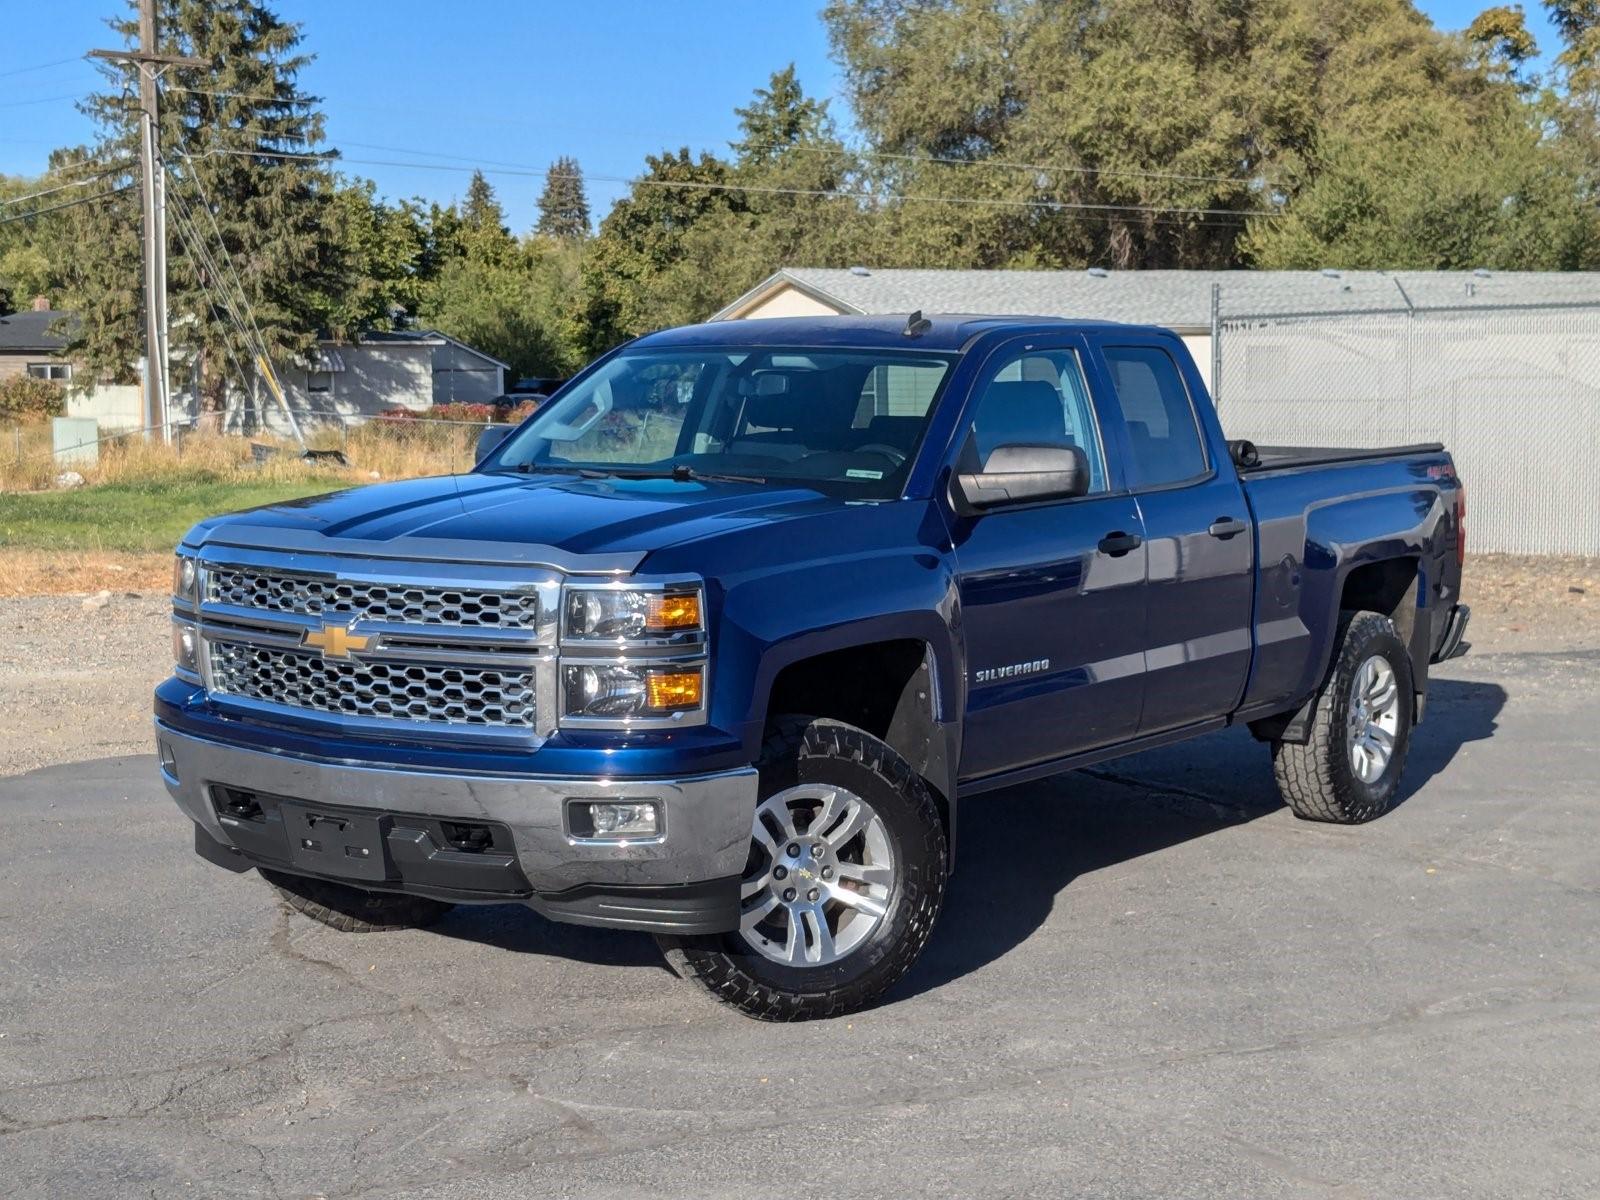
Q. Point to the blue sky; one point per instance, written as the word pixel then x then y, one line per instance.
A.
pixel 515 82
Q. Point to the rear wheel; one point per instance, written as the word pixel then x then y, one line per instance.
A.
pixel 354 910
pixel 1348 770
pixel 844 879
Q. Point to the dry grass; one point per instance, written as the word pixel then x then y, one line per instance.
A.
pixel 378 450
pixel 73 572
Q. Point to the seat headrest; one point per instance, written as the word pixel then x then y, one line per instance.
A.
pixel 810 405
pixel 1026 411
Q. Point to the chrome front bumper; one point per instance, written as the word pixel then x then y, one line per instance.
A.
pixel 701 851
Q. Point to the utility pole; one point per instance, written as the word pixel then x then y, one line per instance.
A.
pixel 149 62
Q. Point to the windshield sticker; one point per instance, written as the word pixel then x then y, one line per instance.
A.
pixel 858 473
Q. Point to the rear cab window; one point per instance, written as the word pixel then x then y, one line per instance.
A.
pixel 1164 442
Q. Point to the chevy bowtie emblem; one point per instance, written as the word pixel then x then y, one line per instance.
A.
pixel 335 641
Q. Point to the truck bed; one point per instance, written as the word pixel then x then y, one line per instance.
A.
pixel 1281 458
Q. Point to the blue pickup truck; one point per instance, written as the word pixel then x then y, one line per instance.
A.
pixel 727 640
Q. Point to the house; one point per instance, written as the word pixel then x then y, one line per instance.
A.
pixel 32 343
pixel 345 381
pixel 28 347
pixel 378 371
pixel 1177 300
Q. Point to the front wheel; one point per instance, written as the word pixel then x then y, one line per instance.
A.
pixel 844 879
pixel 1348 770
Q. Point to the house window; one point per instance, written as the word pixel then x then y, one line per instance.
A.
pixel 58 372
pixel 319 382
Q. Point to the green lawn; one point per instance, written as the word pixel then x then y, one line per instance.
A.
pixel 133 516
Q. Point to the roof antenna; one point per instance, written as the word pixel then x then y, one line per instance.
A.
pixel 917 325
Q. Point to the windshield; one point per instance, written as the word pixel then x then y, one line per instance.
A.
pixel 845 421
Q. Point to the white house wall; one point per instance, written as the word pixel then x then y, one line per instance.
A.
pixel 463 376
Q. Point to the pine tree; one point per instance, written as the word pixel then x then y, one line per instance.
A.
pixel 563 207
pixel 262 219
pixel 780 117
pixel 483 234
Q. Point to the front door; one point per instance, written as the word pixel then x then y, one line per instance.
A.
pixel 1052 594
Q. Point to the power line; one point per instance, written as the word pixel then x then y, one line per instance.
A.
pixel 1063 206
pixel 39 212
pixel 61 187
pixel 44 100
pixel 842 151
pixel 60 62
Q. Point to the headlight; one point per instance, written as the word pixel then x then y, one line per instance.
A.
pixel 186 648
pixel 185 578
pixel 620 614
pixel 618 691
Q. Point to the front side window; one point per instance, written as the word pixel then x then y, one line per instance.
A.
pixel 58 372
pixel 1163 436
pixel 1039 398
pixel 845 421
pixel 319 382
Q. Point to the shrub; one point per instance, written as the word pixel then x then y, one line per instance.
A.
pixel 26 399
pixel 481 413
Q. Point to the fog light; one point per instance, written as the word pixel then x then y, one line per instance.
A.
pixel 613 820
pixel 169 760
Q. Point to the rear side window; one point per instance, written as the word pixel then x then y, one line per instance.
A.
pixel 1163 435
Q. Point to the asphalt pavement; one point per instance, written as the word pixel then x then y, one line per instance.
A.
pixel 1149 980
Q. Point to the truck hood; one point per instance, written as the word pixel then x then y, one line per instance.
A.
pixel 560 520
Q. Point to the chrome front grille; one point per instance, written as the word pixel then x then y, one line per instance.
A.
pixel 355 600
pixel 444 693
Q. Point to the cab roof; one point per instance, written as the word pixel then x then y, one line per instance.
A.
pixel 946 332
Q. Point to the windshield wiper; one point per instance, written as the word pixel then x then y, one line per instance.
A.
pixel 683 473
pixel 553 469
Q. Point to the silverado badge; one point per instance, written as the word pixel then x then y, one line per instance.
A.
pixel 335 641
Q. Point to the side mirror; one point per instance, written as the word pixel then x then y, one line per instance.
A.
pixel 1022 474
pixel 489 439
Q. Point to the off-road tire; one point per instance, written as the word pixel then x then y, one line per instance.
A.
pixel 1316 779
pixel 811 750
pixel 351 909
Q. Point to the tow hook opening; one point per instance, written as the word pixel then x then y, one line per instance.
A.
pixel 241 806
pixel 472 839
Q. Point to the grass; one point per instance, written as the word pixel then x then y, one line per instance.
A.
pixel 118 529
pixel 135 517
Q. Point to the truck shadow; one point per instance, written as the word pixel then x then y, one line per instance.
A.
pixel 1021 847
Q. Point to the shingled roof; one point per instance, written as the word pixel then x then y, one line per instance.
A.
pixel 1176 299
pixel 29 332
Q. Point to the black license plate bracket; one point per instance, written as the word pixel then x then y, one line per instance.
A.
pixel 334 841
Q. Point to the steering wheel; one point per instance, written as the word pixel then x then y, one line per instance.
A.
pixel 891 453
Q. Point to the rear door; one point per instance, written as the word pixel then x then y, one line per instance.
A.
pixel 1201 548
pixel 1052 594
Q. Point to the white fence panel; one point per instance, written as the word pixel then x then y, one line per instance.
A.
pixel 1514 394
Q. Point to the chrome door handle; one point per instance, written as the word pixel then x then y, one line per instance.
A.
pixel 1226 527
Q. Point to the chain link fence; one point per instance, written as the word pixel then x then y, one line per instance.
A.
pixel 1512 392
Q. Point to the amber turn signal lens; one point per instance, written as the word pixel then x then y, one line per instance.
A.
pixel 674 612
pixel 668 691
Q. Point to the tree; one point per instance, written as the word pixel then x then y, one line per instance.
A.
pixel 243 218
pixel 780 118
pixel 1500 41
pixel 638 274
pixel 1142 133
pixel 383 256
pixel 514 301
pixel 563 206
